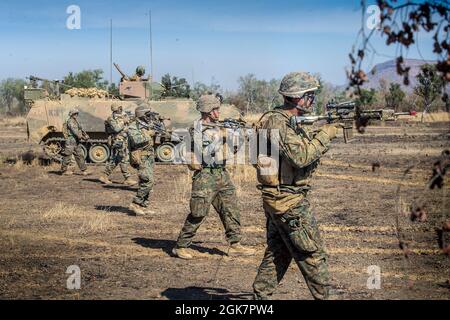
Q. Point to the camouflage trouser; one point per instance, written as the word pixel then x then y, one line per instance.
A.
pixel 73 148
pixel 293 235
pixel 145 174
pixel 121 157
pixel 212 186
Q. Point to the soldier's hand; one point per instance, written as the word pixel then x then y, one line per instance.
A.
pixel 330 130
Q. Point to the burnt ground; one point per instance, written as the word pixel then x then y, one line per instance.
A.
pixel 49 222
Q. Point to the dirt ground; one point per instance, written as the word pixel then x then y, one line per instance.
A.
pixel 50 222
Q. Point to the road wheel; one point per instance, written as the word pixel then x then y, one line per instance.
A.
pixel 165 152
pixel 53 150
pixel 99 153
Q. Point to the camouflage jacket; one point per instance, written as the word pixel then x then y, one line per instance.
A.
pixel 118 124
pixel 209 144
pixel 299 149
pixel 140 137
pixel 72 129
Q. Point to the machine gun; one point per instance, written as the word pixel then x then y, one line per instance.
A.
pixel 124 76
pixel 345 114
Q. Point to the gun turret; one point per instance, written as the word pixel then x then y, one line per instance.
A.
pixel 124 76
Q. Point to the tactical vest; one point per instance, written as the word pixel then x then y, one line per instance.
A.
pixel 272 172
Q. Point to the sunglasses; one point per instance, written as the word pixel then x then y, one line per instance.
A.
pixel 310 96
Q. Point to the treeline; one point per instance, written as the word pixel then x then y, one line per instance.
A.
pixel 252 96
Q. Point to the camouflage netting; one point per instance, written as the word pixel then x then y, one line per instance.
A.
pixel 87 92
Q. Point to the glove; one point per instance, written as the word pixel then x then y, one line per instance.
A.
pixel 330 130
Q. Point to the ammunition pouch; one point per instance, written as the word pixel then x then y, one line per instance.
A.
pixel 267 171
pixel 279 200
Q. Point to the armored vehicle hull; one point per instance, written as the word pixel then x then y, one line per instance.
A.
pixel 46 117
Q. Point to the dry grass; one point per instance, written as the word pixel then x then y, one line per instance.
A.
pixel 433 117
pixel 17 121
pixel 87 221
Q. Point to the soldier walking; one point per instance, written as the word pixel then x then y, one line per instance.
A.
pixel 74 135
pixel 140 137
pixel 211 184
pixel 292 230
pixel 117 127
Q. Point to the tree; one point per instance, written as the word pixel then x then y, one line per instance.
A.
pixel 174 87
pixel 113 90
pixel 201 88
pixel 366 98
pixel 259 95
pixel 11 92
pixel 86 79
pixel 429 86
pixel 394 97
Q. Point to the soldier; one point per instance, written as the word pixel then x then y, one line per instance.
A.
pixel 74 135
pixel 117 127
pixel 292 230
pixel 140 137
pixel 211 184
pixel 138 76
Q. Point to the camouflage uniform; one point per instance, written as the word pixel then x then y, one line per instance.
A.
pixel 118 125
pixel 143 158
pixel 74 134
pixel 292 230
pixel 211 185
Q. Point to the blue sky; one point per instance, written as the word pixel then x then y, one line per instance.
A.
pixel 198 39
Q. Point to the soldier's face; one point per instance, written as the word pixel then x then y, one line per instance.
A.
pixel 215 114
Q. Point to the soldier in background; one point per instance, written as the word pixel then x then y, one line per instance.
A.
pixel 138 76
pixel 141 137
pixel 211 184
pixel 74 135
pixel 292 230
pixel 117 127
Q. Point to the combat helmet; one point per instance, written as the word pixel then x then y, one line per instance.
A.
pixel 73 112
pixel 142 109
pixel 115 106
pixel 296 84
pixel 208 103
pixel 140 71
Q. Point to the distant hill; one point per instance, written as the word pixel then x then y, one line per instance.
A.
pixel 388 71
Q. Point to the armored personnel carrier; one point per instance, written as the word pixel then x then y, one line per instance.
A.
pixel 47 114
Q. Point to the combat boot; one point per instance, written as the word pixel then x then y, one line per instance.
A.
pixel 237 249
pixel 105 180
pixel 149 211
pixel 67 173
pixel 130 182
pixel 138 210
pixel 182 253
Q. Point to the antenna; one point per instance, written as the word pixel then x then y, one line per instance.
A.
pixel 151 42
pixel 111 53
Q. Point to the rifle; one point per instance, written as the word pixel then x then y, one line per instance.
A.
pixel 345 113
pixel 229 123
pixel 156 123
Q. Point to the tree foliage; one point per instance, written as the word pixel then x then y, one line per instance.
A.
pixel 394 97
pixel 175 87
pixel 86 79
pixel 400 24
pixel 429 85
pixel 12 95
